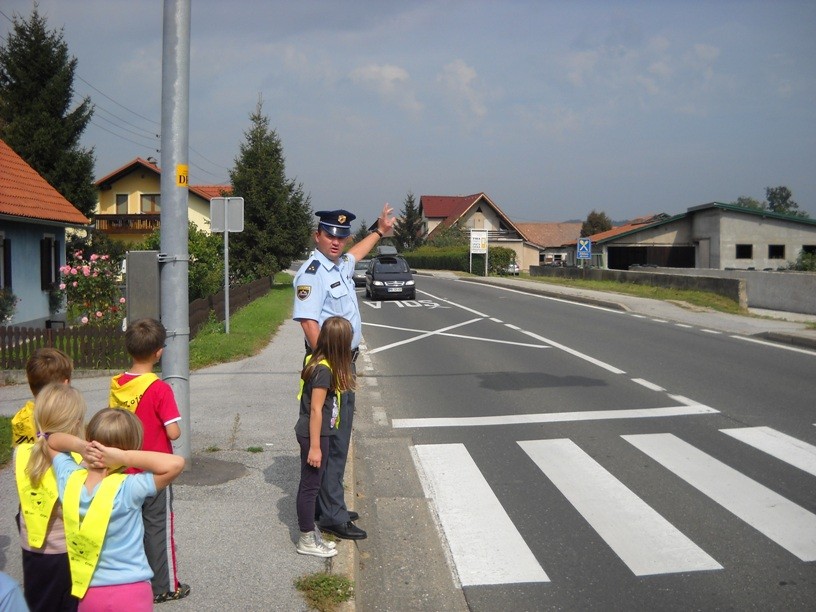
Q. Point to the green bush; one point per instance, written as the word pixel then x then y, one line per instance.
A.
pixel 436 258
pixel 8 303
pixel 499 258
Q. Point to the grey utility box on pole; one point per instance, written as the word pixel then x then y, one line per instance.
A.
pixel 142 286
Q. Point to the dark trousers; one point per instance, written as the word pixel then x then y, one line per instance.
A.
pixel 47 582
pixel 160 548
pixel 310 478
pixel 331 501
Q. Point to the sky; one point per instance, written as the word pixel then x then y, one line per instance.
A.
pixel 551 108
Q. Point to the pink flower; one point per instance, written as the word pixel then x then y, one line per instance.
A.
pixel 62 286
pixel 73 270
pixel 105 257
pixel 74 284
pixel 121 300
pixel 65 269
pixel 84 320
pixel 86 270
pixel 94 257
pixel 98 314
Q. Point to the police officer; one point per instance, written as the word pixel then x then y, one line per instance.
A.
pixel 324 287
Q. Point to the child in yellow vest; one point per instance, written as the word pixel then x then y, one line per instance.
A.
pixel 102 507
pixel 46 575
pixel 46 365
pixel 326 374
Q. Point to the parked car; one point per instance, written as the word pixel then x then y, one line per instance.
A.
pixel 390 276
pixel 513 268
pixel 359 275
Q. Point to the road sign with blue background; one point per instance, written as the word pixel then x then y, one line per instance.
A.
pixel 584 248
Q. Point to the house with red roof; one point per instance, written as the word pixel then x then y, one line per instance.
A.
pixel 129 204
pixel 33 220
pixel 478 212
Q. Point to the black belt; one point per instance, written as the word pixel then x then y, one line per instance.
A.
pixel 354 351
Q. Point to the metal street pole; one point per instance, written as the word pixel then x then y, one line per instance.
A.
pixel 174 256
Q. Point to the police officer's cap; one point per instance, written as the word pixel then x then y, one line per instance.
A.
pixel 335 222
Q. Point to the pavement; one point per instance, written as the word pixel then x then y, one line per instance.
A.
pixel 234 505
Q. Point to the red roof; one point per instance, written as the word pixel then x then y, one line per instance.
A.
pixel 24 193
pixel 550 234
pixel 443 207
pixel 206 192
pixel 622 229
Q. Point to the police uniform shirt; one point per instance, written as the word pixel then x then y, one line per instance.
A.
pixel 324 289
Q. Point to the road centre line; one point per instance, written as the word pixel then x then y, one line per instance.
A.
pixel 425 334
pixel 553 417
pixel 648 385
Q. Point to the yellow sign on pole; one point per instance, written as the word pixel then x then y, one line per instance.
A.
pixel 181 175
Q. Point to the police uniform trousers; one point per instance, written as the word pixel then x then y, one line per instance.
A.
pixel 331 503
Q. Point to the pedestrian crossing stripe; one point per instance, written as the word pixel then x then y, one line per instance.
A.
pixel 645 541
pixel 485 545
pixel 784 522
pixel 486 548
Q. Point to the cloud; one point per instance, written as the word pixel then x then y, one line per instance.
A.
pixel 461 82
pixel 390 82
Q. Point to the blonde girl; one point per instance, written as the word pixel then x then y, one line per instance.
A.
pixel 46 572
pixel 103 511
pixel 328 373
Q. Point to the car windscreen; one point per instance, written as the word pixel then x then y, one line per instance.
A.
pixel 390 266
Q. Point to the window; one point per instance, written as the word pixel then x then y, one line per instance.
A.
pixel 776 251
pixel 5 263
pixel 49 262
pixel 121 203
pixel 150 203
pixel 745 251
pixel 809 249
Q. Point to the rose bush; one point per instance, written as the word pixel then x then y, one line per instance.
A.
pixel 91 287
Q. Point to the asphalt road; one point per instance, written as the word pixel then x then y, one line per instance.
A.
pixel 576 457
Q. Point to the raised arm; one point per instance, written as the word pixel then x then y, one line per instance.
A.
pixel 385 225
pixel 164 466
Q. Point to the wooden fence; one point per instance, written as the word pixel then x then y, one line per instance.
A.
pixel 98 348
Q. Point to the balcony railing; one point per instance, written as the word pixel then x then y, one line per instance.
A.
pixel 120 224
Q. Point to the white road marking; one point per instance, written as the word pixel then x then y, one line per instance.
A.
pixel 711 331
pixel 485 545
pixel 648 385
pixel 495 320
pixel 684 325
pixel 777 444
pixel 471 310
pixel 421 336
pixel 553 417
pixel 645 541
pixel 575 353
pixel 660 320
pixel 424 334
pixel 776 345
pixel 784 522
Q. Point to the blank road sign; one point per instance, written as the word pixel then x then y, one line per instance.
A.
pixel 232 209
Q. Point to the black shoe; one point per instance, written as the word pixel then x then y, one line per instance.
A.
pixel 353 516
pixel 346 531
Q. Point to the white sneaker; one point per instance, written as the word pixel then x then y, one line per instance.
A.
pixel 308 544
pixel 319 538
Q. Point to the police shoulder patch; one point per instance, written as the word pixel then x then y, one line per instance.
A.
pixel 303 291
pixel 312 269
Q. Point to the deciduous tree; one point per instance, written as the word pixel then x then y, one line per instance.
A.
pixel 596 222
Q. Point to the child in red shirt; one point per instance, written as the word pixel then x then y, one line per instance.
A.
pixel 140 391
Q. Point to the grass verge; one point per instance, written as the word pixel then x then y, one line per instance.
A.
pixel 5 434
pixel 701 299
pixel 324 591
pixel 250 328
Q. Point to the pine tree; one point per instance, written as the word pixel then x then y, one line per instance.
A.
pixel 408 228
pixel 36 90
pixel 277 214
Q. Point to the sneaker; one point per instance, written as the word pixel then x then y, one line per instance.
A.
pixel 308 544
pixel 319 538
pixel 181 592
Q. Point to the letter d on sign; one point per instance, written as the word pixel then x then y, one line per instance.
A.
pixel 181 175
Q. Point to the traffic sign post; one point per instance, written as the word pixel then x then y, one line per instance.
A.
pixel 584 248
pixel 226 215
pixel 478 246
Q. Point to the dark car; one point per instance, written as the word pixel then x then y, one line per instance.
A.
pixel 390 276
pixel 359 275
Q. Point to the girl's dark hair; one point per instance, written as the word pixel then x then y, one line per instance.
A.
pixel 334 345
